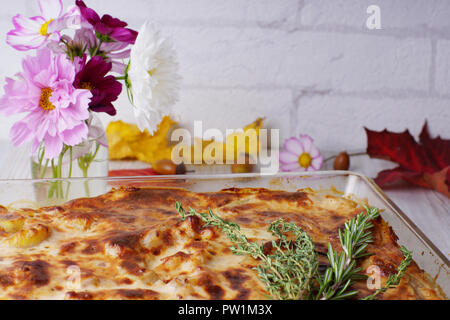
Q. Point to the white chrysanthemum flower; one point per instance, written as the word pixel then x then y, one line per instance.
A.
pixel 154 79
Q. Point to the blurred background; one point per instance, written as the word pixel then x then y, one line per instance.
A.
pixel 308 66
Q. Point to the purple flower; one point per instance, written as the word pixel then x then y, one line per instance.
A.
pixel 56 110
pixel 35 32
pixel 300 155
pixel 107 25
pixel 104 89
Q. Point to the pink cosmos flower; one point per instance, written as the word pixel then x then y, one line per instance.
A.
pixel 35 32
pixel 300 155
pixel 56 110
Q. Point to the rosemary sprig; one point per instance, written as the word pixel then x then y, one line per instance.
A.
pixel 394 280
pixel 354 239
pixel 288 271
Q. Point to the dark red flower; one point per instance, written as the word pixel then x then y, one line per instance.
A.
pixel 104 89
pixel 107 25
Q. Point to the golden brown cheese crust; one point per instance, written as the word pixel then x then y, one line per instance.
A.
pixel 131 244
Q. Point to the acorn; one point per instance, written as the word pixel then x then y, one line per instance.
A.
pixel 168 167
pixel 342 161
pixel 245 167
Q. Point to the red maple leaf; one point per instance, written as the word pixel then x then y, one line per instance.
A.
pixel 425 163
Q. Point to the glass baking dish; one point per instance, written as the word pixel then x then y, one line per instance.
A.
pixel 35 193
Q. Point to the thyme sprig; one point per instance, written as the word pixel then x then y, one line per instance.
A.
pixel 394 280
pixel 288 271
pixel 336 282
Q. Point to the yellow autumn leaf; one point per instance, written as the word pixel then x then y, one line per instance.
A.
pixel 127 142
pixel 245 141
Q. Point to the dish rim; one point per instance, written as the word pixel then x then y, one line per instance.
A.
pixel 231 176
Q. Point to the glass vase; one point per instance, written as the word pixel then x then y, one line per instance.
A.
pixel 87 159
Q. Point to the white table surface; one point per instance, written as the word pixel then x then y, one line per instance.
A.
pixel 428 209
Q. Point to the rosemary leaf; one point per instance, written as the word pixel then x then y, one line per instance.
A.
pixel 354 239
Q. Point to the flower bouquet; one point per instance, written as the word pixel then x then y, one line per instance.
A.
pixel 72 76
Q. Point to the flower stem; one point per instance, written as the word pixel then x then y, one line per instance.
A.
pixel 51 191
pixel 86 189
pixel 71 160
pixel 56 187
pixel 97 48
pixel 45 168
pixel 60 193
pixel 41 158
pixel 60 159
pixel 85 162
pixel 70 171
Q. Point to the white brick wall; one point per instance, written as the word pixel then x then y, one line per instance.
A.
pixel 374 112
pixel 307 65
pixel 407 16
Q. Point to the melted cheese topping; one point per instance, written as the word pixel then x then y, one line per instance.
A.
pixel 131 244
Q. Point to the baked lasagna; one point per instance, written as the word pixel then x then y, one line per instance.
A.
pixel 131 243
